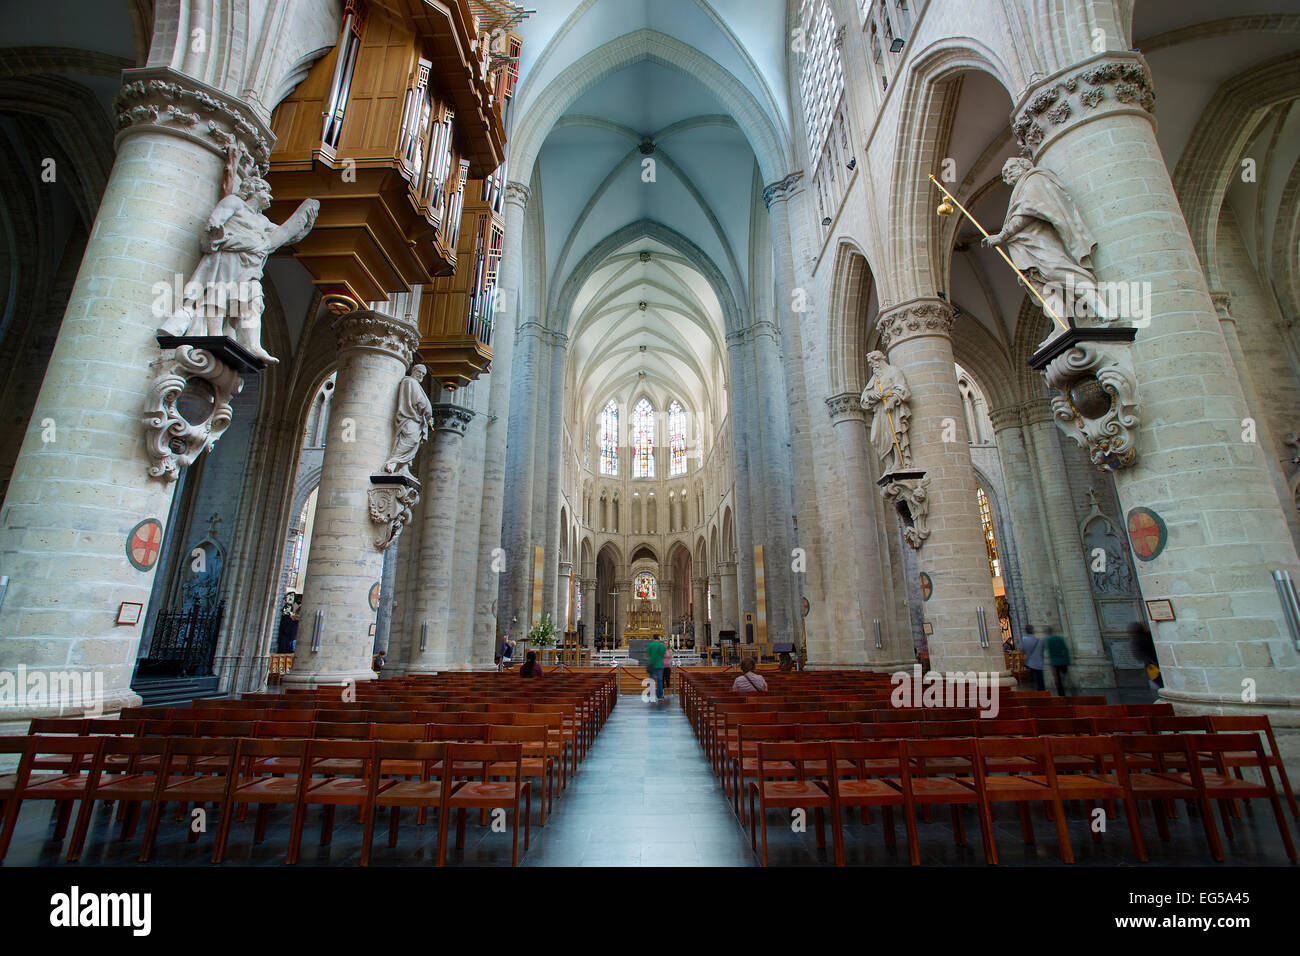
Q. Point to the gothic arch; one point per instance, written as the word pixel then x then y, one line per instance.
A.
pixel 852 287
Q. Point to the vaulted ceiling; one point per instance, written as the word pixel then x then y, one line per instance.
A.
pixel 655 155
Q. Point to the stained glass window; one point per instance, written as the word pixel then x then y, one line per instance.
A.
pixel 986 519
pixel 646 588
pixel 609 439
pixel 643 437
pixel 676 439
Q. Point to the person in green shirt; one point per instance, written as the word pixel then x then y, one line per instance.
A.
pixel 1058 655
pixel 655 651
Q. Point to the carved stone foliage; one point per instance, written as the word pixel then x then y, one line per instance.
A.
pixel 781 189
pixel 922 318
pixel 390 508
pixel 178 104
pixel 846 407
pixel 375 331
pixel 1096 402
pixel 187 409
pixel 911 498
pixel 1124 83
pixel 452 418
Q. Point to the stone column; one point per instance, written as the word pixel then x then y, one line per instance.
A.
pixel 492 575
pixel 589 609
pixel 915 335
pixel 552 454
pixel 80 490
pixel 1025 507
pixel 1090 666
pixel 858 647
pixel 715 591
pixel 387 581
pixel 374 352
pixel 730 599
pixel 1225 530
pixel 563 606
pixel 517 516
pixel 624 601
pixel 746 498
pixel 433 597
pixel 700 609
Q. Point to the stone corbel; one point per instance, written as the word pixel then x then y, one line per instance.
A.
pixel 1096 402
pixel 391 499
pixel 911 498
pixel 187 408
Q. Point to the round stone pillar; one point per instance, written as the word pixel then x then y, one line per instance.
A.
pixel 622 602
pixel 563 605
pixel 700 611
pixel 521 447
pixel 435 646
pixel 83 522
pixel 855 645
pixel 916 338
pixel 1089 666
pixel 730 599
pixel 334 639
pixel 589 609
pixel 1229 648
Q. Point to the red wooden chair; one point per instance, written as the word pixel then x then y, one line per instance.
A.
pixel 538 760
pixel 79 756
pixel 268 772
pixel 1148 761
pixel 864 778
pixel 776 760
pixel 194 771
pixel 431 790
pixel 136 762
pixel 341 772
pixel 485 794
pixel 931 786
pixel 1259 725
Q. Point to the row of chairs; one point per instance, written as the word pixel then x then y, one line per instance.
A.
pixel 900 774
pixel 239 772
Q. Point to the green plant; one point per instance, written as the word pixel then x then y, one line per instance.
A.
pixel 543 633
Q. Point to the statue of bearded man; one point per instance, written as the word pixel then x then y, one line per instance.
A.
pixel 412 419
pixel 1047 239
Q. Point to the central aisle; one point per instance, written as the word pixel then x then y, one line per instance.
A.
pixel 643 797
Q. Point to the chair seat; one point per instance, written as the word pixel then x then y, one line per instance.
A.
pixel 793 793
pixel 477 793
pixel 56 785
pixel 402 768
pixel 268 790
pixel 122 786
pixel 204 787
pixel 1153 786
pixel 870 791
pixel 1218 785
pixel 945 764
pixel 1014 786
pixel 530 767
pixel 1077 786
pixel 938 789
pixel 410 793
pixel 749 767
pixel 339 790
pixel 339 767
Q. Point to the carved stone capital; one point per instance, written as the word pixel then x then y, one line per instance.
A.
pixel 373 331
pixel 588 584
pixel 1110 82
pixel 1222 305
pixel 566 568
pixel 1096 402
pixel 1005 417
pixel 518 193
pixel 911 498
pixel 782 189
pixel 163 100
pixel 846 407
pixel 452 419
pixel 914 319
pixel 187 408
pixel 390 507
pixel 726 568
pixel 700 583
pixel 1038 410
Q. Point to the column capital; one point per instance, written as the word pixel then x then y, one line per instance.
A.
pixel 1005 417
pixel 518 193
pixel 160 99
pixel 452 419
pixel 782 189
pixel 1222 305
pixel 846 407
pixel 566 567
pixel 1111 82
pixel 914 319
pixel 368 330
pixel 587 584
pixel 700 582
pixel 1038 410
pixel 727 568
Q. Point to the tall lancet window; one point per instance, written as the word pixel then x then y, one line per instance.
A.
pixel 609 439
pixel 676 439
pixel 643 436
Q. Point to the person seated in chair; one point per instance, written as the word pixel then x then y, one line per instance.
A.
pixel 749 681
pixel 531 668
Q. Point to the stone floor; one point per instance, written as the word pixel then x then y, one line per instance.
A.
pixel 645 796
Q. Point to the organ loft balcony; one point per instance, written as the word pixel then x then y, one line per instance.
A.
pixel 387 131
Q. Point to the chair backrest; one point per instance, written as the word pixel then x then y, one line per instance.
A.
pixel 1180 725
pixel 860 751
pixel 748 733
pixel 1098 748
pixel 1121 725
pixel 52 726
pixel 251 748
pixel 298 729
pixel 1158 745
pixel 324 729
pixel 1023 727
pixel 895 730
pixel 829 731
pixel 484 755
pixel 224 728
pixel 1063 726
pixel 387 731
pixel 433 756
pixel 535 739
pixel 168 728
pixel 798 754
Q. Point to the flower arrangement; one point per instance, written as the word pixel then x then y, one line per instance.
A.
pixel 543 633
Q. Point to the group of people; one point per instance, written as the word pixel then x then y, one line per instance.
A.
pixel 1054 649
pixel 532 666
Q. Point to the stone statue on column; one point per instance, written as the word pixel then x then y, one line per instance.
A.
pixel 1047 239
pixel 224 295
pixel 412 419
pixel 887 397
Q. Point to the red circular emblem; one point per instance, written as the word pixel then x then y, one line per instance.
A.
pixel 143 544
pixel 1146 533
pixel 374 596
pixel 927 586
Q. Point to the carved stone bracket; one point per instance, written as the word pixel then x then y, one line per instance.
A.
pixel 391 499
pixel 910 496
pixel 1096 402
pixel 187 408
pixel 1106 83
pixel 171 102
pixel 782 189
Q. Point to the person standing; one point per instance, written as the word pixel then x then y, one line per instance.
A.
pixel 668 668
pixel 1058 655
pixel 507 652
pixel 1033 648
pixel 655 652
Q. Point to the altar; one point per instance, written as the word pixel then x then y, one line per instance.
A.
pixel 644 620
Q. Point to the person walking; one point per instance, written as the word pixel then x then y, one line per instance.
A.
pixel 1058 655
pixel 655 652
pixel 668 668
pixel 1032 645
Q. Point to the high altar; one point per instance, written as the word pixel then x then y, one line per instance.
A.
pixel 643 620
